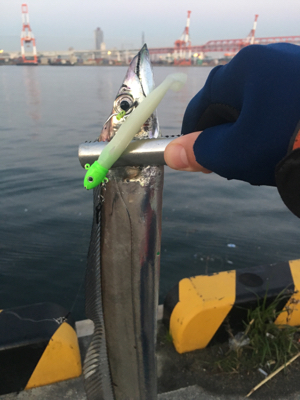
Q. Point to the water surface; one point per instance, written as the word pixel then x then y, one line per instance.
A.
pixel 209 224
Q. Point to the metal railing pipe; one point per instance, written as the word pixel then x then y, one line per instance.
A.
pixel 138 153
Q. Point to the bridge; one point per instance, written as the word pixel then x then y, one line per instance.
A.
pixel 227 45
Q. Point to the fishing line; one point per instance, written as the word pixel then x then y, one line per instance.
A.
pixel 97 210
pixel 121 114
pixel 59 320
pixel 79 290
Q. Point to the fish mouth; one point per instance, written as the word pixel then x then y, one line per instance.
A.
pixel 141 65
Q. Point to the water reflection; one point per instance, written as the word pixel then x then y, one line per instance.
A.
pixel 33 96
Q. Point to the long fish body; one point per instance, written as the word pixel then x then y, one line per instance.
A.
pixel 122 296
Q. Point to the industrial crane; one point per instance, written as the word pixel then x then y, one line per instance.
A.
pixel 27 37
pixel 182 51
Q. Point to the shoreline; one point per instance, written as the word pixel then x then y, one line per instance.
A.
pixel 180 376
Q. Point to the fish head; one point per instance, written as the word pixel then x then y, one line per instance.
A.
pixel 137 84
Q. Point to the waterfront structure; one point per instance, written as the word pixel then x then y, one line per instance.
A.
pixel 98 38
pixel 251 37
pixel 229 46
pixel 27 37
pixel 182 52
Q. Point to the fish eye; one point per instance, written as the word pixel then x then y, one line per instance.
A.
pixel 124 103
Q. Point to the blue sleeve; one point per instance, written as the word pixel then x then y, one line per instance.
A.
pixel 248 110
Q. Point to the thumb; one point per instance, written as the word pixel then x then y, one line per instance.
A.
pixel 179 154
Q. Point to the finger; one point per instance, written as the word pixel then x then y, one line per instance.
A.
pixel 179 154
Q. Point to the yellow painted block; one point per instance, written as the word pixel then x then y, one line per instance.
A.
pixel 60 360
pixel 204 303
pixel 291 313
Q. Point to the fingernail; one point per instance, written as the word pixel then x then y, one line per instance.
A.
pixel 178 157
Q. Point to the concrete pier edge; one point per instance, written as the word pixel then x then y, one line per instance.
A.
pixel 73 389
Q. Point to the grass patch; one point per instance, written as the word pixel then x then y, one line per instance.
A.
pixel 169 338
pixel 266 345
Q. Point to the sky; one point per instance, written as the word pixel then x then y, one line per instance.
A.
pixel 61 24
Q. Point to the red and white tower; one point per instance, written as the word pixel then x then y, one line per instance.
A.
pixel 250 38
pixel 182 52
pixel 27 37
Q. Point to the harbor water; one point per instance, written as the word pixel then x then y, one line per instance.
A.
pixel 209 224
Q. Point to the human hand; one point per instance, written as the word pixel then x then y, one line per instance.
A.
pixel 248 111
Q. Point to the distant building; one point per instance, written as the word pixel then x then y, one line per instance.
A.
pixel 98 38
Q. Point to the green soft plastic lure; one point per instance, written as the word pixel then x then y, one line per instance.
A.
pixel 96 173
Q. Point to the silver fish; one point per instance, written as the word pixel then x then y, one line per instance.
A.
pixel 123 276
pixel 138 83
